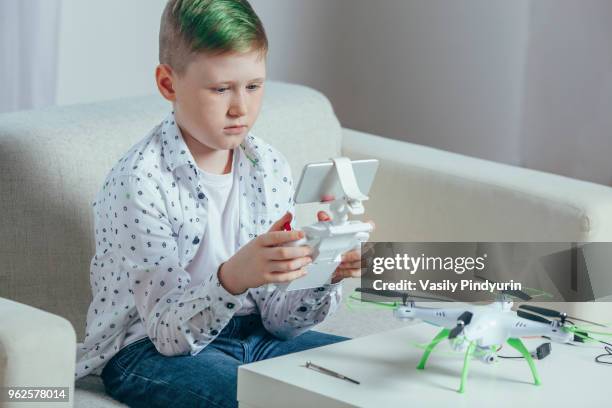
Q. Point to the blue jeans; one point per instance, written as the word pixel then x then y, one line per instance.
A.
pixel 139 376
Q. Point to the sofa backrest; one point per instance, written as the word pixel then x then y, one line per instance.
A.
pixel 53 161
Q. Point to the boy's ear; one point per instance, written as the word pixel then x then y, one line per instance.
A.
pixel 164 78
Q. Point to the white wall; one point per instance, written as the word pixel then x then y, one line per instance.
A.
pixel 107 49
pixel 441 73
pixel 567 126
pixel 304 41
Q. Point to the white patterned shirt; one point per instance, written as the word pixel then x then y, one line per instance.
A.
pixel 149 221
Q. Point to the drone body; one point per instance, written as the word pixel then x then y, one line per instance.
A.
pixel 481 330
pixel 490 325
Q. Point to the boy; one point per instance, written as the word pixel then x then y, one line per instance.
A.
pixel 189 229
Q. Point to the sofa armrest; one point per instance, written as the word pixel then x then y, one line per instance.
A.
pixel 37 349
pixel 426 194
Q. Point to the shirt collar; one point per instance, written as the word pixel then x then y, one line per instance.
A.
pixel 176 153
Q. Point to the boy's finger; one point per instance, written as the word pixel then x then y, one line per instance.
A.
pixel 323 216
pixel 290 265
pixel 280 253
pixel 279 224
pixel 349 273
pixel 350 265
pixel 274 238
pixel 278 277
pixel 350 256
pixel 327 197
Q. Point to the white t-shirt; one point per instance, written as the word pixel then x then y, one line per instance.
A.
pixel 220 240
pixel 222 236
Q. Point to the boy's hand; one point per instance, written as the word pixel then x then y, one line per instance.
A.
pixel 350 265
pixel 264 260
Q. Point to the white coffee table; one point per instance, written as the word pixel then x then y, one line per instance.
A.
pixel 385 364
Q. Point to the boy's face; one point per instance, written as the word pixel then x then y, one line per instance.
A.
pixel 213 94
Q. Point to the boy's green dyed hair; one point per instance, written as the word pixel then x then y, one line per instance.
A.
pixel 189 27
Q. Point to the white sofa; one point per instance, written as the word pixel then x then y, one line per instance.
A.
pixel 52 161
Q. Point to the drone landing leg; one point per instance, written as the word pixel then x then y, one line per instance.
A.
pixel 439 337
pixel 466 365
pixel 518 345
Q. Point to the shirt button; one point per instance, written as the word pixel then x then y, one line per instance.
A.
pixel 214 332
pixel 229 305
pixel 201 196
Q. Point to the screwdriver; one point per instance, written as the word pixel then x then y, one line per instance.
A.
pixel 329 372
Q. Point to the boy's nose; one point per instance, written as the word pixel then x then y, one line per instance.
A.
pixel 238 107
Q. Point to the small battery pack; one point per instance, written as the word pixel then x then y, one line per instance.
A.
pixel 542 351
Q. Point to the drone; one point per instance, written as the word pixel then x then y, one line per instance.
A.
pixel 481 330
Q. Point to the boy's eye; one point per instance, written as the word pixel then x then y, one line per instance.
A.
pixel 251 87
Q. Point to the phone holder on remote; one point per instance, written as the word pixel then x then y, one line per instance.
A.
pixel 330 239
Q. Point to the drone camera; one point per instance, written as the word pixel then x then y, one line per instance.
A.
pixel 488 357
